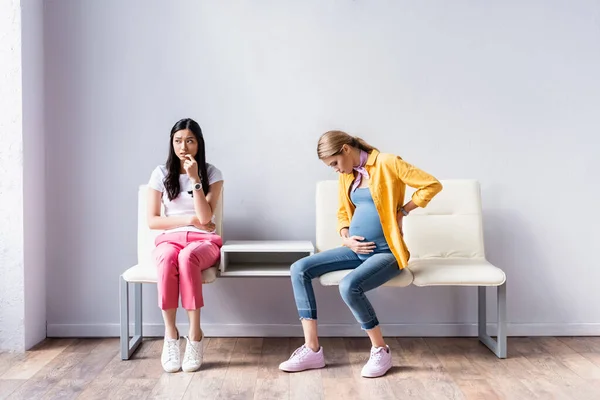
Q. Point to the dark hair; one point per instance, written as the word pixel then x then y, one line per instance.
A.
pixel 174 163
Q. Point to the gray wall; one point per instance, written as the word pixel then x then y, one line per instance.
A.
pixel 506 93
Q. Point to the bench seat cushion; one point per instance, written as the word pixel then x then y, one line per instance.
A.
pixel 455 272
pixel 146 273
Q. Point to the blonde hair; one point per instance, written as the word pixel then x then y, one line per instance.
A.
pixel 331 143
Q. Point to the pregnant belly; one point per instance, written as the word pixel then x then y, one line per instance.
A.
pixel 370 229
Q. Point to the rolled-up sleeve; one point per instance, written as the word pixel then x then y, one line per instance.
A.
pixel 427 186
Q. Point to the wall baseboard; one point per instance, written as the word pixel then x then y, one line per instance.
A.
pixel 328 330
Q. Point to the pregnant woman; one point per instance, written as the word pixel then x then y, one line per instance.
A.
pixel 371 209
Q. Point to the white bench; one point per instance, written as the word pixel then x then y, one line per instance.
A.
pixel 145 272
pixel 446 244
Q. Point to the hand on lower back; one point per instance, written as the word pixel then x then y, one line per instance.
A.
pixel 400 218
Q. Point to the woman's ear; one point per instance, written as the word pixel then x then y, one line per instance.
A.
pixel 345 148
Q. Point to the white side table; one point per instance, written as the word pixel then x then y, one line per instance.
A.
pixel 262 257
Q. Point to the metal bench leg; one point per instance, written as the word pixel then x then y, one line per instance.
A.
pixel 498 346
pixel 128 347
pixel 137 328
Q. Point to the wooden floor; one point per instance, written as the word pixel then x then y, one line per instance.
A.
pixel 246 368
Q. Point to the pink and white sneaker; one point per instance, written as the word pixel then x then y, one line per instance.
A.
pixel 302 359
pixel 379 363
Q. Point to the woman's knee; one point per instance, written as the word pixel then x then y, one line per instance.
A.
pixel 348 287
pixel 299 268
pixel 165 255
pixel 198 254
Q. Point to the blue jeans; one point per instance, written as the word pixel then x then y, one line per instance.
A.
pixel 367 275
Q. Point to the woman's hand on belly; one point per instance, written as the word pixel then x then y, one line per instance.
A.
pixel 356 244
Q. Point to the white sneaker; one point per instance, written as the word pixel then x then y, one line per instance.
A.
pixel 302 359
pixel 194 352
pixel 379 363
pixel 171 356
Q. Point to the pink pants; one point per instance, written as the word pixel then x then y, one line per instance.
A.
pixel 180 258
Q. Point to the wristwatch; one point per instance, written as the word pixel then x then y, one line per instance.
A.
pixel 197 186
pixel 403 211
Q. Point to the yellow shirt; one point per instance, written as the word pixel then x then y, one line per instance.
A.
pixel 389 175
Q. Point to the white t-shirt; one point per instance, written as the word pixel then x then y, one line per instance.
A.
pixel 184 203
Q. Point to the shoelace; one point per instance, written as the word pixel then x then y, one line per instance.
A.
pixel 376 354
pixel 172 350
pixel 299 352
pixel 193 354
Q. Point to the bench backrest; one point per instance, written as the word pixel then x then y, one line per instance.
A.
pixel 450 226
pixel 146 236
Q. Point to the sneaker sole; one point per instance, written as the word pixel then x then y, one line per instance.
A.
pixel 318 366
pixel 191 369
pixel 378 375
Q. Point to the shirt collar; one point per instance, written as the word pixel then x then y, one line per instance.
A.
pixel 372 157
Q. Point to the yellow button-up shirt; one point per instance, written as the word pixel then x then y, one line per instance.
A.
pixel 388 177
